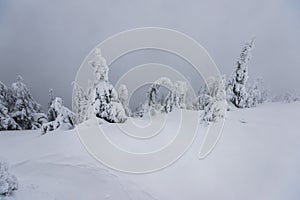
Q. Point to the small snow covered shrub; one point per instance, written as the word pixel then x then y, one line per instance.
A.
pixel 64 117
pixel 8 182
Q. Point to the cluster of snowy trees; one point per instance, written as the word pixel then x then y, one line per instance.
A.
pixel 19 111
pixel 237 90
pixel 178 95
pixel 8 182
pixel 175 97
pixel 286 97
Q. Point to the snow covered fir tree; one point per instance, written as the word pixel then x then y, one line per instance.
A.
pixel 240 92
pixel 101 98
pixel 123 98
pixel 18 109
pixel 6 105
pixel 236 86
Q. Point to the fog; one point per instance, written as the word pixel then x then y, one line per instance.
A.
pixel 46 41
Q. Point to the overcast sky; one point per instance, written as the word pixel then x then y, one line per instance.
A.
pixel 46 41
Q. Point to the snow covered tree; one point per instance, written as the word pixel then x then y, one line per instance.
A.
pixel 51 114
pixel 191 99
pixel 123 98
pixel 6 103
pixel 236 86
pixel 180 90
pixel 156 105
pixel 8 182
pixel 169 102
pixel 26 111
pixel 99 65
pixel 103 101
pixel 6 121
pixel 106 105
pixel 262 92
pixel 6 96
pixel 252 97
pixel 64 120
pixel 51 97
pixel 152 94
pixel 213 99
pixel 176 97
pixel 257 94
pixel 80 103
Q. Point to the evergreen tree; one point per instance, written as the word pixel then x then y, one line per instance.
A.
pixel 123 98
pixel 51 114
pixel 103 100
pixel 152 94
pixel 6 104
pixel 180 90
pixel 80 103
pixel 6 96
pixel 169 103
pixel 6 121
pixel 236 86
pixel 26 111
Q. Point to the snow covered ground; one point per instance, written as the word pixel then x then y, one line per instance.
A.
pixel 257 157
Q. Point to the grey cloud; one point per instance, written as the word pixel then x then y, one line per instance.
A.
pixel 46 41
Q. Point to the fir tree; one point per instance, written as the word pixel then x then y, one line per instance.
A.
pixel 236 87
pixel 26 111
pixel 123 98
pixel 103 100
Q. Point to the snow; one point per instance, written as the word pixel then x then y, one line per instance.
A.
pixel 257 157
pixel 8 182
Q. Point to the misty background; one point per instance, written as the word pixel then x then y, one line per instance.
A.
pixel 46 41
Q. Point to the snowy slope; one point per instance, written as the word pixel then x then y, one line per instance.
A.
pixel 257 157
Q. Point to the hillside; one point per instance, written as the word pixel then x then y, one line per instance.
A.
pixel 257 157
